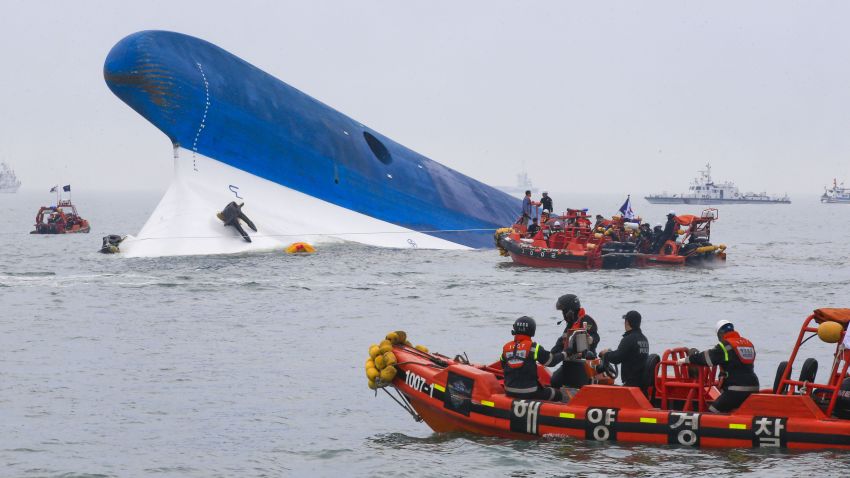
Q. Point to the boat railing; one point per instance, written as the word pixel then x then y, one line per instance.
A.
pixel 840 364
pixel 676 382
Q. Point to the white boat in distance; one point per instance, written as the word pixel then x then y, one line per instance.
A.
pixel 837 194
pixel 704 190
pixel 9 183
pixel 523 184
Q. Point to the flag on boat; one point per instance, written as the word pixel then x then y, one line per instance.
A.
pixel 54 188
pixel 626 208
pixel 66 188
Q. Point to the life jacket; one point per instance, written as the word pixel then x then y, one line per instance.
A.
pixel 577 325
pixel 743 348
pixel 519 363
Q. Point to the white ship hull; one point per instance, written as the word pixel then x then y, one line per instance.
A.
pixel 185 222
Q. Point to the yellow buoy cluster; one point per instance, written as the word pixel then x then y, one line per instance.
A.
pixel 497 235
pixel 380 366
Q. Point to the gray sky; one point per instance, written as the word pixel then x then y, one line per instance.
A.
pixel 620 97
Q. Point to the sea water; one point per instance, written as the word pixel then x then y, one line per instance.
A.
pixel 252 365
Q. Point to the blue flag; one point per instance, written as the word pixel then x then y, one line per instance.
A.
pixel 66 188
pixel 626 208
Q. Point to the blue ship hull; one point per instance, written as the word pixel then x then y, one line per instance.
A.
pixel 216 105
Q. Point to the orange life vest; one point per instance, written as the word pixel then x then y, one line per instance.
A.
pixel 744 349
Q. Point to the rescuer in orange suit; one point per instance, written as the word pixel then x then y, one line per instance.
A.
pixel 736 356
pixel 519 362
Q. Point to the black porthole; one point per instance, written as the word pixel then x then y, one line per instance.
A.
pixel 378 149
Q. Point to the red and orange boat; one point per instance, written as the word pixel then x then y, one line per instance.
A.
pixel 59 219
pixel 452 395
pixel 576 245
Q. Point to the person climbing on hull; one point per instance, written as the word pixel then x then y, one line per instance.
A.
pixel 232 215
pixel 735 355
pixel 519 361
pixel 572 372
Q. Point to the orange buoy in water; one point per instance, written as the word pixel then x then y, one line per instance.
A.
pixel 300 247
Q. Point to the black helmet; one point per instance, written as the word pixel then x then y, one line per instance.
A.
pixel 568 302
pixel 524 326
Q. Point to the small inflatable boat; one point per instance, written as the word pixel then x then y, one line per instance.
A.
pixel 59 219
pixel 452 395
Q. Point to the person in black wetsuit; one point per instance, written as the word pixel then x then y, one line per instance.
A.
pixel 736 356
pixel 631 353
pixel 572 372
pixel 519 361
pixel 546 202
pixel 232 214
pixel 669 232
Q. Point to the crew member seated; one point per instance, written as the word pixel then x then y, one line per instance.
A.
pixel 232 214
pixel 644 238
pixel 572 372
pixel 735 355
pixel 519 362
pixel 631 353
pixel 533 228
pixel 601 222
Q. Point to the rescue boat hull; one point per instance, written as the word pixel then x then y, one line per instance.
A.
pixel 468 398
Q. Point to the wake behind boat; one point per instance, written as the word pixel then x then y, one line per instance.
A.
pixel 704 190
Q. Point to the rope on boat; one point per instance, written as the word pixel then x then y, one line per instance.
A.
pixel 403 403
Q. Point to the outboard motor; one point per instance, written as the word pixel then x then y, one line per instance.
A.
pixel 110 244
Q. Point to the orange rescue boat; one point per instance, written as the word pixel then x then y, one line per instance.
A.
pixel 452 395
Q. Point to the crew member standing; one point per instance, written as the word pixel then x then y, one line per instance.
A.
pixel 546 202
pixel 572 372
pixel 527 213
pixel 669 232
pixel 736 356
pixel 631 353
pixel 519 362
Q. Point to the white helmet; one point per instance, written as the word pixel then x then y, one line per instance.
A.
pixel 723 323
pixel 557 224
pixel 671 213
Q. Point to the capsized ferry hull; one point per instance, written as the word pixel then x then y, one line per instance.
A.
pixel 243 135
